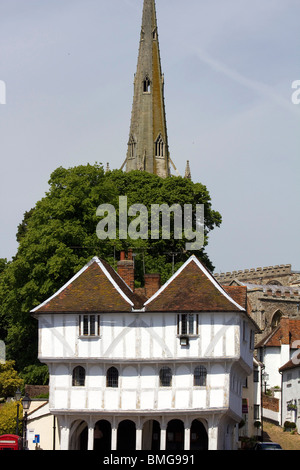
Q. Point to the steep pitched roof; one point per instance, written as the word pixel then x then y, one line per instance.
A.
pixel 95 288
pixel 193 288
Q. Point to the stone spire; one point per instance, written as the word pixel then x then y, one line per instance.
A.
pixel 148 142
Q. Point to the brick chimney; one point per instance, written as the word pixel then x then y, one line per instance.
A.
pixel 126 268
pixel 285 330
pixel 152 284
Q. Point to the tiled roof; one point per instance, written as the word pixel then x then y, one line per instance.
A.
pixel 96 288
pixel 286 332
pixel 294 362
pixel 192 288
pixel 238 293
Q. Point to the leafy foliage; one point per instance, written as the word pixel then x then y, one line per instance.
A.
pixel 58 236
pixel 8 418
pixel 35 375
pixel 9 379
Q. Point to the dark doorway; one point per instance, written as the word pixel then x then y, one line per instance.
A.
pixel 175 435
pixel 126 438
pixel 199 438
pixel 102 436
pixel 151 435
pixel 83 439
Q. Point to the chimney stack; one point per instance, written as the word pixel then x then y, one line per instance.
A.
pixel 285 330
pixel 152 284
pixel 126 268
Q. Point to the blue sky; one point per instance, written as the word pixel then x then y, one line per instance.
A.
pixel 68 66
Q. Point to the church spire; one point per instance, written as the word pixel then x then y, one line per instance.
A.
pixel 148 142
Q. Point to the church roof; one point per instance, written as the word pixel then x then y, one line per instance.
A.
pixel 193 289
pixel 95 288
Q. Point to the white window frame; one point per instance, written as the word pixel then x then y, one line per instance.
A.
pixel 89 326
pixel 187 324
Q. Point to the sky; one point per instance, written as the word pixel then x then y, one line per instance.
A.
pixel 67 70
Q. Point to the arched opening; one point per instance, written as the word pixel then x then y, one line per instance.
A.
pixel 274 283
pixel 175 435
pixel 151 435
pixel 112 378
pixel 132 147
pixel 102 436
pixel 199 438
pixel 146 85
pixel 165 377
pixel 126 437
pixel 78 377
pixel 79 435
pixel 159 147
pixel 276 319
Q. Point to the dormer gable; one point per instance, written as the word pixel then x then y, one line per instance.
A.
pixel 194 289
pixel 97 287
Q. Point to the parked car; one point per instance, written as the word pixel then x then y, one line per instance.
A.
pixel 267 446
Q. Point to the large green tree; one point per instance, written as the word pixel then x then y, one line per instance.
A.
pixel 58 236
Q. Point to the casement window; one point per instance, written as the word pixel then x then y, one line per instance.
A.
pixel 112 378
pixel 165 377
pixel 256 375
pixel 256 412
pixel 187 324
pixel 200 374
pixel 78 377
pixel 89 325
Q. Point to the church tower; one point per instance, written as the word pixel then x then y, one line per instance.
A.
pixel 148 141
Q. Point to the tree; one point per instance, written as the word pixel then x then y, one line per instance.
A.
pixel 9 380
pixel 35 375
pixel 8 418
pixel 3 264
pixel 58 236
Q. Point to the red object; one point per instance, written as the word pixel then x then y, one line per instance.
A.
pixel 10 442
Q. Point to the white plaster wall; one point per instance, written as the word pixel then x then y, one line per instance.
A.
pixel 142 336
pixel 138 388
pixel 128 341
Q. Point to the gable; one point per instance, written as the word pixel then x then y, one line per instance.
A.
pixel 96 288
pixel 192 288
pixel 286 332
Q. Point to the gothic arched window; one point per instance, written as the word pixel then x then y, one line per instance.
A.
pixel 276 319
pixel 200 374
pixel 78 378
pixel 131 147
pixel 159 147
pixel 112 378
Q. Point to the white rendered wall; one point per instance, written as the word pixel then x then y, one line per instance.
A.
pixel 138 345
